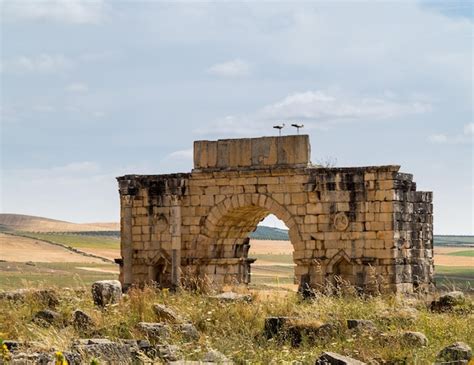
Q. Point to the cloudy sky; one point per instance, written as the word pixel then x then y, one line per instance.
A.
pixel 94 89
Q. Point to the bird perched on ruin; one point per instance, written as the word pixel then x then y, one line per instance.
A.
pixel 297 126
pixel 279 127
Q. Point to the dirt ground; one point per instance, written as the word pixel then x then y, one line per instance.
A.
pixel 96 269
pixel 445 260
pixel 22 249
pixel 109 253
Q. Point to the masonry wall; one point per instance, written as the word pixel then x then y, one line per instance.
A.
pixel 366 225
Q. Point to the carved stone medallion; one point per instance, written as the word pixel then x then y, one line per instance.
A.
pixel 341 221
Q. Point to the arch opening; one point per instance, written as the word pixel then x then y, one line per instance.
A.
pixel 230 232
pixel 271 246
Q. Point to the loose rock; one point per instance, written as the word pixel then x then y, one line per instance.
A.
pixel 233 297
pixel 415 339
pixel 189 331
pixel 106 292
pixel 166 314
pixel 311 332
pixel 361 324
pixel 47 318
pixel 156 332
pixel 82 321
pixel 455 353
pixel 448 301
pixel 38 358
pixel 331 358
pixel 46 297
pixel 273 325
pixel 214 356
pixel 107 351
pixel 168 352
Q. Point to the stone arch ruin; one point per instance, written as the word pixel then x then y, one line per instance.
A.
pixel 368 225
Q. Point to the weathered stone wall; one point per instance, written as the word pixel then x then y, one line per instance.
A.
pixel 367 225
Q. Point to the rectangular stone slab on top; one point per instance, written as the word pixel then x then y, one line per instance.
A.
pixel 252 152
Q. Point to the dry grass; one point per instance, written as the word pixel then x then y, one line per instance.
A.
pixel 235 329
pixel 23 249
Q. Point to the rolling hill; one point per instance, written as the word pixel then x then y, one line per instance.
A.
pixel 28 223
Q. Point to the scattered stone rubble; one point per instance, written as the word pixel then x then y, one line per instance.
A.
pixel 155 346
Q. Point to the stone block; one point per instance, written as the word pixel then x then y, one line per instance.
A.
pixel 106 292
pixel 299 198
pixel 314 208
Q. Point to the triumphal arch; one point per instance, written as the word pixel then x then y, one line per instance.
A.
pixel 366 225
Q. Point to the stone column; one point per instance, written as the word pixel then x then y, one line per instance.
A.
pixel 126 240
pixel 175 228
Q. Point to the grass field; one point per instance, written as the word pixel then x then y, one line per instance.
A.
pixel 14 275
pixel 77 240
pixel 467 253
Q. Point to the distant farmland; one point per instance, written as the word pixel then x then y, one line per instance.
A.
pixel 53 248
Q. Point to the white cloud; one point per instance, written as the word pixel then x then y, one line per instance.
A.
pixel 181 155
pixel 438 138
pixel 234 68
pixel 466 137
pixel 99 114
pixel 42 63
pixel 44 108
pixel 77 87
pixel 320 105
pixel 469 129
pixel 318 109
pixel 62 11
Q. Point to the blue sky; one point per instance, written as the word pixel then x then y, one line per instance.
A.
pixel 94 89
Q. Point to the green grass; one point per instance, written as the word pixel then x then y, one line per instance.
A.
pixel 14 275
pixel 76 240
pixel 449 276
pixel 455 270
pixel 469 253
